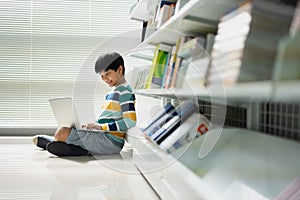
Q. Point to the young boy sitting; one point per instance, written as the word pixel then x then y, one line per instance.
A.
pixel 117 115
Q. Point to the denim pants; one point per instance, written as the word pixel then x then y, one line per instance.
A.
pixel 96 142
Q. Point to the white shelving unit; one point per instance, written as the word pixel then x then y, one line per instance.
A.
pixel 201 16
pixel 196 16
pixel 244 164
pixel 283 91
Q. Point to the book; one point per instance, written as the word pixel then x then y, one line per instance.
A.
pixel 195 126
pixel 166 109
pixel 159 62
pixel 194 76
pixel 181 76
pixel 227 50
pixel 160 123
pixel 183 112
pixel 194 65
pixel 193 48
pixel 166 129
pixel 178 61
pixel 143 11
pixel 170 67
pixel 138 76
pixel 183 129
pixel 165 13
pixel 175 71
pixel 239 32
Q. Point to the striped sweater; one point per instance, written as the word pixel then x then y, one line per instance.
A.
pixel 118 112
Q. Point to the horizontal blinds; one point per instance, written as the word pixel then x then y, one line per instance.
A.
pixel 45 44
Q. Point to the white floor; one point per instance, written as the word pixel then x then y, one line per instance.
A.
pixel 27 172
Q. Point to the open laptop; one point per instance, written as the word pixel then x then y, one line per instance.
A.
pixel 65 113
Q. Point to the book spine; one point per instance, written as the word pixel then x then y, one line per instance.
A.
pixel 159 124
pixel 149 78
pixel 188 126
pixel 170 70
pixel 197 129
pixel 184 111
pixel 178 60
pixel 171 125
pixel 158 73
pixel 167 109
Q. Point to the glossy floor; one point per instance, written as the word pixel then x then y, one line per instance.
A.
pixel 27 172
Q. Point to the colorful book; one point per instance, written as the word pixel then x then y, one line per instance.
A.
pixel 153 120
pixel 160 123
pixel 164 14
pixel 178 61
pixel 170 68
pixel 159 62
pixel 183 112
pixel 193 127
pixel 149 78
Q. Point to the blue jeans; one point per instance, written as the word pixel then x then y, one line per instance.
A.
pixel 96 142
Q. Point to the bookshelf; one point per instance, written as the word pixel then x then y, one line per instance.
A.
pixel 196 16
pixel 242 161
pixel 281 91
pixel 245 163
pixel 207 13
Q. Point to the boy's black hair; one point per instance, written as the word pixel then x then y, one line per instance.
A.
pixel 109 61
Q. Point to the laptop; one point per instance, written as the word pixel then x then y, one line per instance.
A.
pixel 65 113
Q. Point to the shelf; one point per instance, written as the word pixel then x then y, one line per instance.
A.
pixel 243 163
pixel 195 17
pixel 288 91
pixel 249 162
pixel 159 169
pixel 246 161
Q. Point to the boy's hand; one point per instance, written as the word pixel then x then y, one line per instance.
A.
pixel 91 126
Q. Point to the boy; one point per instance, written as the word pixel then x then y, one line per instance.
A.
pixel 117 116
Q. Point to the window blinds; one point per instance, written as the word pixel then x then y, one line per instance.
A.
pixel 44 46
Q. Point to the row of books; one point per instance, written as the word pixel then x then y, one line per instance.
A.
pixel 175 127
pixel 232 55
pixel 247 43
pixel 170 63
pixel 164 12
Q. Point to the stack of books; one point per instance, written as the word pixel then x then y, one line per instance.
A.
pixel 246 43
pixel 228 46
pixel 175 127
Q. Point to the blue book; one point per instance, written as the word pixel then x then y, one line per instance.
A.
pixel 183 112
pixel 160 123
pixel 156 120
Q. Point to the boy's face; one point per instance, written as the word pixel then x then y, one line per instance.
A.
pixel 111 77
